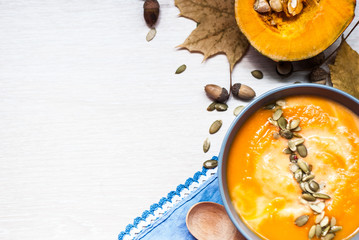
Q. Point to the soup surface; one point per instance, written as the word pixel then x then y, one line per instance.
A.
pixel 262 187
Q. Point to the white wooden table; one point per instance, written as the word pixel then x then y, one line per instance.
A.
pixel 95 126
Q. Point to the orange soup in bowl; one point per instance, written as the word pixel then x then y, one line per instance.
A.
pixel 293 170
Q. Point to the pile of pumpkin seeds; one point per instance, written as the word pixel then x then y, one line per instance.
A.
pixel 302 173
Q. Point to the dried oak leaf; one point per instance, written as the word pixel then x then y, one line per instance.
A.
pixel 217 30
pixel 344 73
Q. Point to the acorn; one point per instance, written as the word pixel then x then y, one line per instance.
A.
pixel 284 69
pixel 318 75
pixel 216 93
pixel 151 10
pixel 243 91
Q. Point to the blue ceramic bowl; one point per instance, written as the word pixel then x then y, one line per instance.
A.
pixel 278 93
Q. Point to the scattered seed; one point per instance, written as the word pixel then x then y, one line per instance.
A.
pixel 325 231
pixel 292 146
pixel 311 233
pixel 329 236
pixel 237 110
pixel 294 124
pixel 151 34
pixel 318 230
pixel 297 135
pixel 303 165
pixel 302 186
pixel 282 123
pixel 308 177
pixel 181 69
pixel 293 167
pixel 209 164
pixel 211 107
pixel 257 74
pixel 334 229
pixel 287 151
pixel 221 107
pixel 319 218
pixel 298 141
pixel 301 221
pixel 277 114
pixel 298 175
pixel 206 145
pixel 216 125
pixel 280 103
pixel 315 208
pixel 286 134
pixel 314 186
pixel 324 222
pixel 297 129
pixel 269 106
pixel 297 82
pixel 302 150
pixel 308 197
pixel 321 205
pixel 272 121
pixel 307 188
pixel 333 222
pixel 276 135
pixel 321 195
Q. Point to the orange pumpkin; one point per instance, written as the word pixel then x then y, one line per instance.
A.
pixel 288 36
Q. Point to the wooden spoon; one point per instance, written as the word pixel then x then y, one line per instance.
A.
pixel 209 221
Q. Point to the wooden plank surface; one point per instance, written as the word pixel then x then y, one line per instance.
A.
pixel 94 124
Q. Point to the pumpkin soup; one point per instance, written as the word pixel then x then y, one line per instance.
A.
pixel 293 171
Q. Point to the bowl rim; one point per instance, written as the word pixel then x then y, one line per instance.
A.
pixel 244 115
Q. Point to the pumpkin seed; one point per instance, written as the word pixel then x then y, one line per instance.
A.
pixel 319 218
pixel 298 175
pixel 286 134
pixel 302 186
pixel 257 74
pixel 324 222
pixel 216 125
pixel 308 197
pixel 237 110
pixel 282 123
pixel 321 195
pixel 269 106
pixel 318 230
pixel 292 146
pixel 314 186
pixel 181 69
pixel 298 141
pixel 280 102
pixel 329 236
pixel 273 122
pixel 221 107
pixel 315 208
pixel 276 135
pixel 209 164
pixel 297 129
pixel 206 145
pixel 211 107
pixel 277 114
pixel 311 232
pixel 294 124
pixel 151 34
pixel 307 188
pixel 325 231
pixel 287 151
pixel 297 135
pixel 293 167
pixel 308 177
pixel 334 229
pixel 302 150
pixel 333 222
pixel 321 205
pixel 301 221
pixel 296 82
pixel 303 165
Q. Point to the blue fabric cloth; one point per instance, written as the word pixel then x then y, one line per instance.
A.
pixel 172 224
